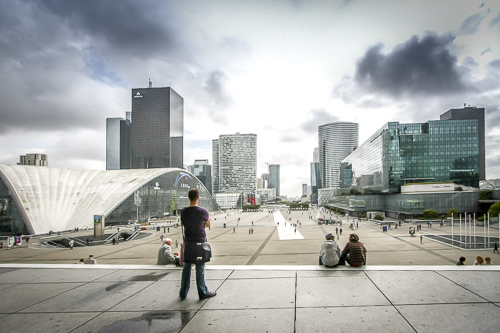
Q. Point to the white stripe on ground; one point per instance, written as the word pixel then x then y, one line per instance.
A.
pixel 285 229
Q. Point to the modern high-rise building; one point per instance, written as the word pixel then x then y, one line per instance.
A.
pixel 316 155
pixel 203 171
pixel 446 150
pixel 34 159
pixel 315 182
pixel 157 128
pixel 118 143
pixel 472 113
pixel 235 163
pixel 265 180
pixel 274 178
pixel 335 141
pixel 304 189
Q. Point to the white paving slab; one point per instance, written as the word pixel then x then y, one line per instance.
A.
pixel 285 228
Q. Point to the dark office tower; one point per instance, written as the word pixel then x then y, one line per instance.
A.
pixel 157 128
pixel 274 177
pixel 472 113
pixel 118 143
pixel 203 171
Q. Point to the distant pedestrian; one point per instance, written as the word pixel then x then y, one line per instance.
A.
pixel 168 229
pixel 421 239
pixel 336 231
pixel 234 229
pixel 71 243
pixel 496 248
pixel 161 239
pixel 249 231
pixel 461 261
pixel 340 231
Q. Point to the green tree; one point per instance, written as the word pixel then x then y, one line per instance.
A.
pixel 430 214
pixel 459 188
pixel 378 217
pixel 484 195
pixel 453 211
pixel 494 209
pixel 353 191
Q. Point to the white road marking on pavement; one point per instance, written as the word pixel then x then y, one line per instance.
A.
pixel 285 232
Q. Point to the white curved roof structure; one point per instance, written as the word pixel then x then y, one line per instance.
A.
pixel 64 199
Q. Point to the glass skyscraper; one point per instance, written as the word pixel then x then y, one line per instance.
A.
pixel 203 171
pixel 157 128
pixel 447 150
pixel 274 178
pixel 335 141
pixel 235 163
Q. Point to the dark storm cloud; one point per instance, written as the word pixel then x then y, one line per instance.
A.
pixel 422 65
pixel 317 117
pixel 214 86
pixel 136 28
pixel 471 24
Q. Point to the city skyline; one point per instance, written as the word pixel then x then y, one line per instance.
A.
pixel 278 70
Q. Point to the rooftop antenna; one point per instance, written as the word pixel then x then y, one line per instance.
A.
pixel 150 83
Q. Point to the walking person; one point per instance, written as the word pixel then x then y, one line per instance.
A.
pixel 195 219
pixel 496 248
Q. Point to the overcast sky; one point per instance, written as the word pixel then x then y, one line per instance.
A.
pixel 277 69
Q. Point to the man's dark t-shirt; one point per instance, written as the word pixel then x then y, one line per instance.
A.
pixel 193 219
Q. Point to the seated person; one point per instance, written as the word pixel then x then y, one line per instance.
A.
pixel 329 254
pixel 479 261
pixel 488 261
pixel 165 256
pixel 461 261
pixel 354 252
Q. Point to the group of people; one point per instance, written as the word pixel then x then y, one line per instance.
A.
pixel 354 253
pixel 479 261
pixel 89 261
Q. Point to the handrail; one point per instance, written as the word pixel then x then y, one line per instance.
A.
pixel 133 235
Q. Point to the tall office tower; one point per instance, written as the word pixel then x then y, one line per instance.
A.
pixel 203 171
pixel 335 141
pixel 316 155
pixel 34 159
pixel 274 177
pixel 157 128
pixel 265 180
pixel 237 163
pixel 215 168
pixel 470 112
pixel 118 143
pixel 315 181
pixel 304 189
pixel 259 182
pixel 446 150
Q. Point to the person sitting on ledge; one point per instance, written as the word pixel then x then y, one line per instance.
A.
pixel 354 252
pixel 461 261
pixel 90 260
pixel 488 261
pixel 479 261
pixel 329 254
pixel 165 256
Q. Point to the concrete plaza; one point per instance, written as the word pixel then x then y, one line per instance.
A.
pixel 234 245
pixel 263 284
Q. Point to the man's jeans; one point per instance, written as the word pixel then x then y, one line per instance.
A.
pixel 200 280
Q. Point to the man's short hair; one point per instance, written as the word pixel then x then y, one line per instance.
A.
pixel 167 240
pixel 193 194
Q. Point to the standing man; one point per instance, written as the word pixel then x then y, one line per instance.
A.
pixel 194 219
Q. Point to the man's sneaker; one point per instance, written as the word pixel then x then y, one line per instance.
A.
pixel 210 294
